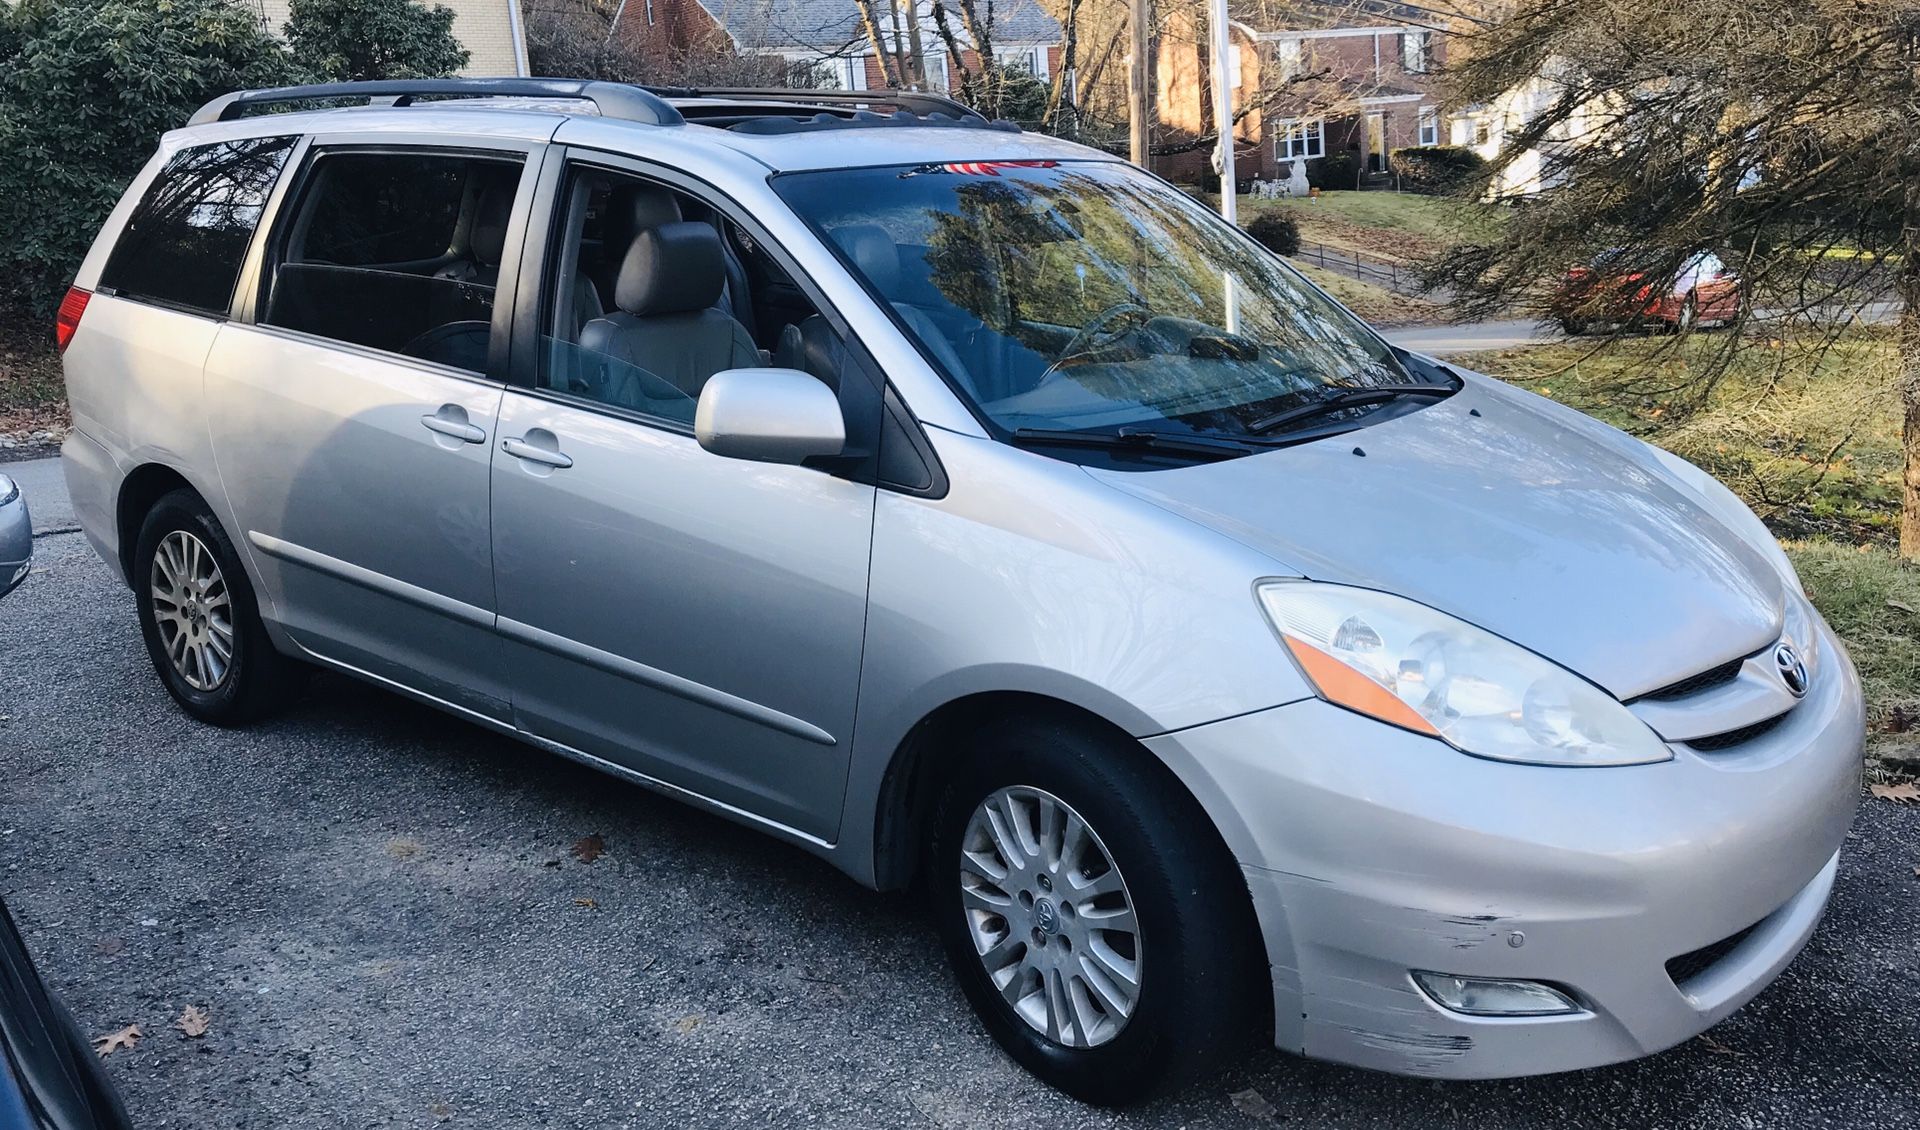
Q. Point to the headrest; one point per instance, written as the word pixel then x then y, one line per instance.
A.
pixel 631 211
pixel 488 239
pixel 872 250
pixel 671 269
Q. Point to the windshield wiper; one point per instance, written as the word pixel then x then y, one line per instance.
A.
pixel 1136 439
pixel 1348 398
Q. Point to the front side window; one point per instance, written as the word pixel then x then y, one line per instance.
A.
pixel 1088 295
pixel 1304 139
pixel 399 252
pixel 185 242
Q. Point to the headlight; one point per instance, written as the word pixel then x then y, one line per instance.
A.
pixel 8 490
pixel 1404 663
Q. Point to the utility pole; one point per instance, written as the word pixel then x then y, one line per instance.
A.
pixel 1139 82
pixel 1223 107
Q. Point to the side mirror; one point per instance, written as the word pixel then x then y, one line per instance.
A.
pixel 769 416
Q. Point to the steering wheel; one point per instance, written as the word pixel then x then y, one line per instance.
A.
pixel 1106 327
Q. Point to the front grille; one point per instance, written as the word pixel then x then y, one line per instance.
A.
pixel 1690 965
pixel 1705 681
pixel 1713 743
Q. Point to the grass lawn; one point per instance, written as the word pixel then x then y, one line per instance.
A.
pixel 1811 442
pixel 1376 304
pixel 1398 225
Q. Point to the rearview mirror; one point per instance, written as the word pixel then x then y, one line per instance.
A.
pixel 769 416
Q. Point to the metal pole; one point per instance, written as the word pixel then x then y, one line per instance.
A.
pixel 1139 80
pixel 1223 107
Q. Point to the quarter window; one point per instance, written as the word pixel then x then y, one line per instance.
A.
pixel 184 244
pixel 396 251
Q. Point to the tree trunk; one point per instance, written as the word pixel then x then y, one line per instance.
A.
pixel 870 23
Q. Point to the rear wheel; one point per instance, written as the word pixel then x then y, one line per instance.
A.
pixel 199 618
pixel 1573 327
pixel 1097 926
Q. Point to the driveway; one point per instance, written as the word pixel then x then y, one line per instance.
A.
pixel 380 909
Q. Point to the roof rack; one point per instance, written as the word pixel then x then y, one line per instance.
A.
pixel 610 99
pixel 919 101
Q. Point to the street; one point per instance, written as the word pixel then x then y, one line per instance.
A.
pixel 391 920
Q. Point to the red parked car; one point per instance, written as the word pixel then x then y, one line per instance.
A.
pixel 1609 292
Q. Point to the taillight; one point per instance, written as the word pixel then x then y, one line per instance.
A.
pixel 71 307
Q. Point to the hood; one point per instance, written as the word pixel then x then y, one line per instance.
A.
pixel 1527 519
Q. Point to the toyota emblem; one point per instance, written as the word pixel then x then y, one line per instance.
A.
pixel 1793 670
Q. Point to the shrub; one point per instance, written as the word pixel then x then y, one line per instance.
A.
pixel 86 89
pixel 352 40
pixel 1436 169
pixel 1334 172
pixel 1276 231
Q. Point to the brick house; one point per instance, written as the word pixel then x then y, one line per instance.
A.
pixel 490 30
pixel 1325 80
pixel 823 42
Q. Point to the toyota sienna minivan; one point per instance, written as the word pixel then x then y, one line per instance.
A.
pixel 983 515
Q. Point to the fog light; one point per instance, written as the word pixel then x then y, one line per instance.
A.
pixel 1479 996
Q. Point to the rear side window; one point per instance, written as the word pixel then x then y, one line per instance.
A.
pixel 185 241
pixel 399 252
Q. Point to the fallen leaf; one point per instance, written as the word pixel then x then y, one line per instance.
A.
pixel 1718 1048
pixel 192 1022
pixel 113 1041
pixel 590 904
pixel 405 847
pixel 688 1023
pixel 110 947
pixel 1900 604
pixel 1253 1104
pixel 1906 792
pixel 586 849
pixel 1916 872
pixel 1899 722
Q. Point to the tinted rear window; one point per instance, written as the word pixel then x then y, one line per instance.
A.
pixel 184 244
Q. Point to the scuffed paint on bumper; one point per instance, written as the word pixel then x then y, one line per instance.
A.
pixel 1371 852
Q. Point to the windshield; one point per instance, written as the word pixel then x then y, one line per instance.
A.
pixel 1089 296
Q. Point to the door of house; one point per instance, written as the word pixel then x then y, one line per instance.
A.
pixel 1376 143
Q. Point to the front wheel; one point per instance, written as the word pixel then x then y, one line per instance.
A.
pixel 1095 922
pixel 199 619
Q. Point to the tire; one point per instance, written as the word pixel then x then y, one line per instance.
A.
pixel 200 620
pixel 1201 984
pixel 1573 327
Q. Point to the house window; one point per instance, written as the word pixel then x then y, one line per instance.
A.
pixel 854 72
pixel 1414 52
pixel 1429 127
pixel 1482 131
pixel 1032 60
pixel 1286 58
pixel 1305 138
pixel 934 66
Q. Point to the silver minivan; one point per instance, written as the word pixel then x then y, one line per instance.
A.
pixel 983 515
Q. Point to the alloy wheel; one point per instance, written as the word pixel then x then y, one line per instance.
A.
pixel 1050 916
pixel 193 610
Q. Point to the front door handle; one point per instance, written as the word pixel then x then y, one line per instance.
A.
pixel 451 421
pixel 530 448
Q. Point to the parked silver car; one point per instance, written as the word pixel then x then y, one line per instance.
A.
pixel 16 536
pixel 978 512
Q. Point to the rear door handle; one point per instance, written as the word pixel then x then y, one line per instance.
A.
pixel 532 452
pixel 451 421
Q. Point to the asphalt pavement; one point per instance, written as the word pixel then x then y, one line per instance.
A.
pixel 381 911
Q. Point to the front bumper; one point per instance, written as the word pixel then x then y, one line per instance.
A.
pixel 1371 852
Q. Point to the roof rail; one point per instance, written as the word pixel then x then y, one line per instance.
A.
pixel 611 99
pixel 915 100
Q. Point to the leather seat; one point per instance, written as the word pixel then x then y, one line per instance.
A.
pixel 486 239
pixel 874 252
pixel 666 332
